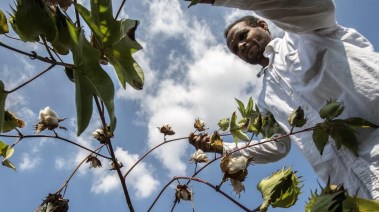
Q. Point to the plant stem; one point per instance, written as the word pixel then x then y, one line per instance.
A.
pixel 109 144
pixel 30 80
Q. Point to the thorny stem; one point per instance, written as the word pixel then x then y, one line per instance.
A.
pixel 200 181
pixel 139 160
pixel 57 137
pixel 109 144
pixel 34 55
pixel 30 80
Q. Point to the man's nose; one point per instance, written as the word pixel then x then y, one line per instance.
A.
pixel 242 45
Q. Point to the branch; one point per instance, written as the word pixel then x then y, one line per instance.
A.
pixel 200 181
pixel 30 80
pixel 34 55
pixel 109 144
pixel 60 138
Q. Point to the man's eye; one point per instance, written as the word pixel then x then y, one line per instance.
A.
pixel 242 36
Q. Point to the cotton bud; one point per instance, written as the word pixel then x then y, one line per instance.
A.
pixel 199 125
pixel 332 109
pixel 235 167
pixel 182 193
pixel 166 130
pixel 199 157
pixel 94 162
pixel 296 118
pixel 48 119
pixel 113 165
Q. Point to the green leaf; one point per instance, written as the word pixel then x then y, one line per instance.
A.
pixel 366 204
pixel 62 41
pixel 320 137
pixel 224 124
pixel 90 79
pixel 7 152
pixel 3 96
pixel 346 137
pixel 3 23
pixel 11 122
pixel 238 134
pixel 2 146
pixel 241 107
pixel 9 164
pixel 281 189
pixel 360 122
pixel 116 40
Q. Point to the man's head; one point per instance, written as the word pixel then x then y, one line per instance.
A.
pixel 247 38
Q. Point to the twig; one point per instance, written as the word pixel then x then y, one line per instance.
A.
pixel 77 16
pixel 120 8
pixel 148 152
pixel 30 80
pixel 47 48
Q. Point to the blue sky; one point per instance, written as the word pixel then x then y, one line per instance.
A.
pixel 189 74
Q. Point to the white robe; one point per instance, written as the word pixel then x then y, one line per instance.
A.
pixel 315 61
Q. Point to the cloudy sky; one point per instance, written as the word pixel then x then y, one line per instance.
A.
pixel 189 74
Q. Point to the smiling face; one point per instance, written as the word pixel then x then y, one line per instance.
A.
pixel 248 42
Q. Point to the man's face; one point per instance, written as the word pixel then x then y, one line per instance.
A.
pixel 247 42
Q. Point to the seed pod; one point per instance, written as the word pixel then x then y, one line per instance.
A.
pixel 31 19
pixel 296 118
pixel 62 41
pixel 332 109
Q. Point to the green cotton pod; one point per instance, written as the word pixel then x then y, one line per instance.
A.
pixel 296 118
pixel 31 19
pixel 281 189
pixel 331 110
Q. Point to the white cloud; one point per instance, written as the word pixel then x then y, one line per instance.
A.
pixel 28 162
pixel 140 178
pixel 167 18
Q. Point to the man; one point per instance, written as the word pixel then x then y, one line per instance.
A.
pixel 315 61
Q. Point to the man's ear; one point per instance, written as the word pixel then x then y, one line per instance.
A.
pixel 262 24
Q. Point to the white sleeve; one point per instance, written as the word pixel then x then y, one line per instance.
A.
pixel 299 16
pixel 262 153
